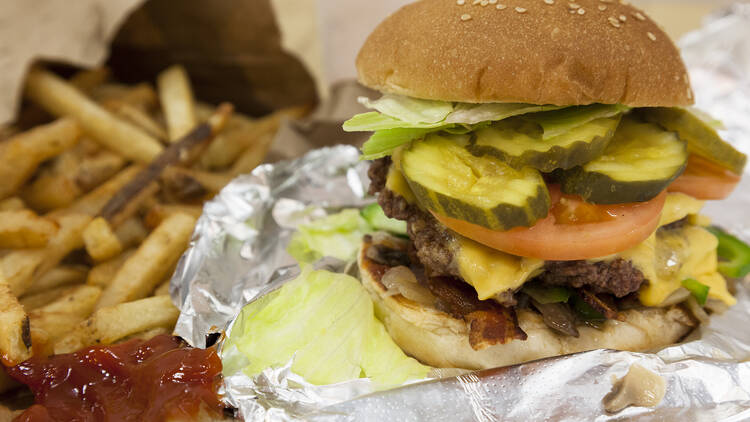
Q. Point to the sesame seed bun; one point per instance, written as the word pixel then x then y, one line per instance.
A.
pixel 529 51
pixel 437 339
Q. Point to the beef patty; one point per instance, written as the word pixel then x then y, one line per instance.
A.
pixel 435 246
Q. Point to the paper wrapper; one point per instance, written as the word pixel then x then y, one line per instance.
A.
pixel 238 254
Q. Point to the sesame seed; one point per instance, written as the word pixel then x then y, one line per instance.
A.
pixel 581 11
pixel 623 18
pixel 484 2
pixel 685 78
pixel 460 2
pixel 549 1
pixel 639 16
pixel 500 6
pixel 493 1
pixel 476 2
pixel 520 10
pixel 607 1
pixel 614 22
pixel 624 2
pixel 651 36
pixel 465 17
pixel 602 7
pixel 574 6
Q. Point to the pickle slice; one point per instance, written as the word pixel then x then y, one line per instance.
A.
pixel 700 135
pixel 447 179
pixel 520 143
pixel 639 163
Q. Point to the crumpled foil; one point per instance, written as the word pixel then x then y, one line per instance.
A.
pixel 238 254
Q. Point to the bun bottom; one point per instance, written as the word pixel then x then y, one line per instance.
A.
pixel 437 339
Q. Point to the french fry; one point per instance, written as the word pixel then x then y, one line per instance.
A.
pixel 100 240
pixel 15 334
pixel 44 297
pixel 177 101
pixel 21 154
pixel 62 99
pixel 138 117
pixel 63 275
pixel 24 229
pixel 228 147
pixel 147 334
pixel 88 79
pixel 142 272
pixel 141 95
pixel 13 203
pixel 185 151
pixel 96 169
pixel 163 288
pixel 159 212
pixel 102 274
pixel 253 155
pixel 20 267
pixel 61 316
pixel 93 202
pixel 131 232
pixel 184 184
pixel 54 186
pixel 110 324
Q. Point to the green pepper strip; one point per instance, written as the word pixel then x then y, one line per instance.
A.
pixel 734 254
pixel 547 294
pixel 585 310
pixel 698 289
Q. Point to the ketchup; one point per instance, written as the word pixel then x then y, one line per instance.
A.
pixel 134 381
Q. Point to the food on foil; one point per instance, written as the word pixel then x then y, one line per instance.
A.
pixel 551 183
pixel 324 323
pixel 639 387
pixel 98 202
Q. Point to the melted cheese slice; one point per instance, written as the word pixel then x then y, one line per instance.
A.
pixel 491 271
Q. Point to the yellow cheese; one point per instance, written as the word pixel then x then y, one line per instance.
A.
pixel 678 206
pixel 396 183
pixel 491 271
pixel 666 258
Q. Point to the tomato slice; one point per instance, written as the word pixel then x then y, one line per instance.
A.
pixel 573 229
pixel 703 179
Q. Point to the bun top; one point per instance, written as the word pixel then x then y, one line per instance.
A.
pixel 529 51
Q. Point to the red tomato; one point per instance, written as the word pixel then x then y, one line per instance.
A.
pixel 573 229
pixel 703 179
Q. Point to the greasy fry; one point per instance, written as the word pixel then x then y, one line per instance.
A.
pixel 20 267
pixel 92 202
pixel 159 212
pixel 100 240
pixel 55 186
pixel 147 334
pixel 95 169
pixel 15 334
pixel 60 98
pixel 24 229
pixel 101 275
pixel 188 185
pixel 182 152
pixel 64 275
pixel 137 117
pixel 13 203
pixel 61 316
pixel 110 324
pixel 21 154
pixel 253 155
pixel 131 232
pixel 225 149
pixel 163 289
pixel 44 297
pixel 141 95
pixel 142 272
pixel 177 101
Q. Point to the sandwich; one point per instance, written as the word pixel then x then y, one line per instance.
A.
pixel 551 173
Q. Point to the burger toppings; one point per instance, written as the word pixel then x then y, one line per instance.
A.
pixel 617 277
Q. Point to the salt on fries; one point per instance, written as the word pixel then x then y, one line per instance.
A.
pixel 98 204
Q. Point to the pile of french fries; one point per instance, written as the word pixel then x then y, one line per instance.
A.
pixel 98 201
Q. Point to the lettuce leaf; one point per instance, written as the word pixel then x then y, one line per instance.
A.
pixel 555 123
pixel 325 322
pixel 337 235
pixel 408 109
pixel 470 114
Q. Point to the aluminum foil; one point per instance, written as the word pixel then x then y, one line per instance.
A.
pixel 237 254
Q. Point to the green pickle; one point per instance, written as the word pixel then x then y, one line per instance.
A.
pixel 639 163
pixel 520 143
pixel 448 180
pixel 700 135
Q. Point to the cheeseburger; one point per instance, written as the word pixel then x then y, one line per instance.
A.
pixel 551 173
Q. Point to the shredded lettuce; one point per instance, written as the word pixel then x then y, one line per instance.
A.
pixel 337 235
pixel 408 109
pixel 491 112
pixel 555 123
pixel 340 235
pixel 326 324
